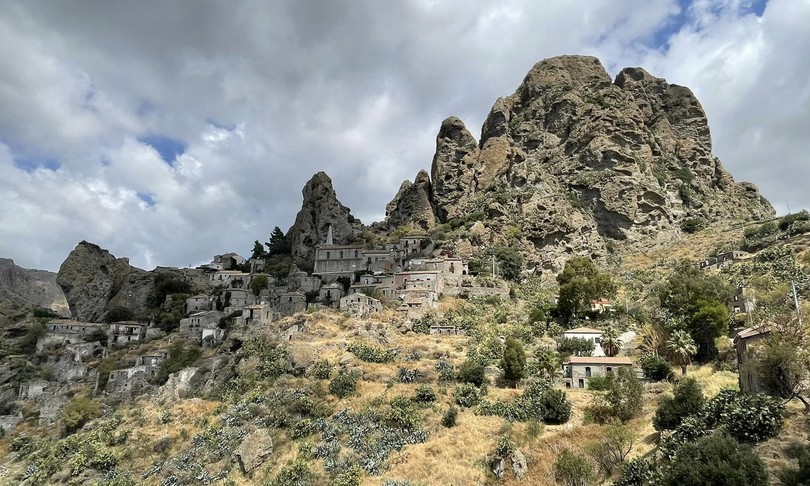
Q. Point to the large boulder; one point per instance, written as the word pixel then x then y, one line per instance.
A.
pixel 254 451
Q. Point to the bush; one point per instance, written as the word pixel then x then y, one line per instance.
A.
pixel 402 414
pixel 43 312
pixel 445 371
pixel 597 383
pixel 718 460
pixel 539 402
pixel 513 361
pixel 424 394
pixel 623 400
pixel 449 417
pixel 322 370
pixel 180 357
pixel 371 354
pixel 295 474
pixel 406 375
pixel 799 476
pixel 118 314
pixel 78 412
pixel 687 400
pixel 573 470
pixel 349 477
pixel 656 368
pixel 466 395
pixel 693 225
pixel 472 371
pixel 616 443
pixel 343 385
pixel 575 346
pixel 505 446
pixel 752 418
pixel 638 472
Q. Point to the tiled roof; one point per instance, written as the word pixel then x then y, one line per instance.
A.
pixel 615 360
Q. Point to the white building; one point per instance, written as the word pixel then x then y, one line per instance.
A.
pixel 589 334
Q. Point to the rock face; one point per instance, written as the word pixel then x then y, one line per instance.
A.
pixel 412 204
pixel 94 281
pixel 320 209
pixel 254 450
pixel 575 163
pixel 21 287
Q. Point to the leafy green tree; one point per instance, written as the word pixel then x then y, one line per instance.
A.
pixel 78 412
pixel 783 366
pixel 513 362
pixel 708 323
pixel 279 244
pixel 611 344
pixel 715 460
pixel 624 398
pixel 546 363
pixel 682 347
pixel 575 346
pixel 687 400
pixel 615 445
pixel 510 262
pixel 258 250
pixel 656 368
pixel 580 283
pixel 118 314
pixel 259 283
pixel 472 371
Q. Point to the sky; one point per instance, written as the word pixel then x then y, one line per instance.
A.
pixel 171 131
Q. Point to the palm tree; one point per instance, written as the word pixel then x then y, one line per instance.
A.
pixel 611 344
pixel 653 339
pixel 682 347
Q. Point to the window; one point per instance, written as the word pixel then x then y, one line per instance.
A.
pixel 341 255
pixel 327 255
pixel 588 371
pixel 356 253
pixel 609 370
pixel 597 340
pixel 581 383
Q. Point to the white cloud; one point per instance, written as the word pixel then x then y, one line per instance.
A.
pixel 357 89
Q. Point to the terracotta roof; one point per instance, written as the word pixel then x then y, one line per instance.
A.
pixel 616 360
pixel 584 330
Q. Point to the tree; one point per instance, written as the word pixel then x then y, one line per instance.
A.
pixel 575 346
pixel 611 344
pixel 472 371
pixel 118 314
pixel 279 244
pixel 546 363
pixel 513 361
pixel 573 470
pixel 258 250
pixel 708 323
pixel 78 412
pixel 580 283
pixel 682 347
pixel 783 365
pixel 259 283
pixel 615 445
pixel 687 400
pixel 653 339
pixel 624 398
pixel 716 460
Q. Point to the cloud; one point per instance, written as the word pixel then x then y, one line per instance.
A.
pixel 170 132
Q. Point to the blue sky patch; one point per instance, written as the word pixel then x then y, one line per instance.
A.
pixel 168 148
pixel 148 198
pixel 30 164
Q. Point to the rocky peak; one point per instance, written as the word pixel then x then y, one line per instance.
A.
pixel 454 166
pixel 93 280
pixel 583 164
pixel 412 204
pixel 320 209
pixel 22 288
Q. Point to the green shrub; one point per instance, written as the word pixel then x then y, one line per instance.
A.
pixel 295 474
pixel 406 375
pixel 513 361
pixel 623 400
pixel 402 414
pixel 466 395
pixel 718 460
pixel 343 385
pixel 78 412
pixel 43 312
pixel 693 225
pixel 180 357
pixel 424 394
pixel 118 314
pixel 572 469
pixel 799 476
pixel 597 383
pixel 505 446
pixel 349 477
pixel 638 472
pixel 449 417
pixel 538 402
pixel 472 371
pixel 687 400
pixel 752 418
pixel 322 370
pixel 445 371
pixel 371 354
pixel 656 368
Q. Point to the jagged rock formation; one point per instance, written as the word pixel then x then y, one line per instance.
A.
pixel 22 288
pixel 94 281
pixel 575 163
pixel 412 204
pixel 320 209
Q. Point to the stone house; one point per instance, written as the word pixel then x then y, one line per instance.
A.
pixel 723 259
pixel 331 292
pixel 232 279
pixel 125 332
pixel 152 359
pixel 72 327
pixel 50 408
pixel 291 303
pixel 229 261
pixel 589 334
pixel 743 301
pixel 577 370
pixel 419 280
pixel 120 377
pixel 8 422
pixel 193 326
pixel 745 344
pixel 197 303
pixel 33 389
pixel 411 245
pixel 256 314
pixel 360 305
pixel 234 299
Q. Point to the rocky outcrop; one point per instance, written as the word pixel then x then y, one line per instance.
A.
pixel 412 204
pixel 254 451
pixel 320 209
pixel 575 163
pixel 94 281
pixel 24 288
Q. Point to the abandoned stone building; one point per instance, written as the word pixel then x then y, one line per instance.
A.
pixel 577 370
pixel 291 303
pixel 194 327
pixel 330 293
pixel 197 303
pixel 745 345
pixel 359 305
pixel 232 279
pixel 333 261
pixel 743 301
pixel 72 327
pixel 125 332
pixel 260 313
pixel 33 389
